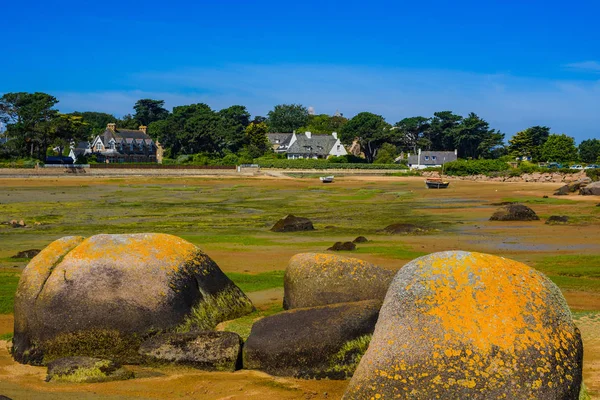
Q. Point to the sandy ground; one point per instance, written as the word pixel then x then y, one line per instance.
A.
pixel 524 242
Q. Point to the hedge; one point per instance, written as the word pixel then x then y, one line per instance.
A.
pixel 321 164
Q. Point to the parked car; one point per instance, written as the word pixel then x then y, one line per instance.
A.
pixel 592 166
pixel 554 165
pixel 577 166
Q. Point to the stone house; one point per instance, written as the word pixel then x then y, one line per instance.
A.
pixel 124 145
pixel 307 145
pixel 431 159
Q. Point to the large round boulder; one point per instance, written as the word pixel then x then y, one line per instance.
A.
pixel 316 342
pixel 593 189
pixel 461 325
pixel 514 212
pixel 314 279
pixel 103 295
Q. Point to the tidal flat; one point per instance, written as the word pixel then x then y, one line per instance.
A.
pixel 229 218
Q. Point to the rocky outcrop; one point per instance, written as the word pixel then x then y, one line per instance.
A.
pixel 208 350
pixel 103 295
pixel 557 220
pixel 343 246
pixel 360 239
pixel 593 189
pixel 556 177
pixel 404 229
pixel 27 253
pixel 313 279
pixel 318 342
pixel 514 212
pixel 573 186
pixel 85 370
pixel 292 223
pixel 462 325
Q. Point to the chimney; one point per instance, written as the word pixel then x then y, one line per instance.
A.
pixel 112 126
pixel 308 134
pixel 143 128
pixel 334 134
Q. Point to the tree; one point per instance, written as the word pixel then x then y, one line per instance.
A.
pixel 128 121
pixel 559 148
pixel 529 142
pixel 96 122
pixel 258 143
pixel 67 128
pixel 28 117
pixel 148 111
pixel 473 138
pixel 232 125
pixel 324 124
pixel 386 155
pixel 287 117
pixel 371 130
pixel 412 133
pixel 589 150
pixel 440 130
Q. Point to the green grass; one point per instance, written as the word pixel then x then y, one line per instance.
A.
pixel 391 250
pixel 8 286
pixel 537 200
pixel 256 282
pixel 579 272
pixel 6 336
pixel 242 326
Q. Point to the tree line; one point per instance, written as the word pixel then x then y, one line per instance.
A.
pixel 34 126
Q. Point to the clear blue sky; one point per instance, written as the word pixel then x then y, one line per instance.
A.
pixel 515 63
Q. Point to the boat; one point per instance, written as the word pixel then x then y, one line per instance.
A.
pixel 326 179
pixel 436 183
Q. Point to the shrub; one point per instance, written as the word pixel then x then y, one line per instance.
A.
pixel 475 167
pixel 321 164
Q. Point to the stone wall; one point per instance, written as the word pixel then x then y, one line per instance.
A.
pixel 555 177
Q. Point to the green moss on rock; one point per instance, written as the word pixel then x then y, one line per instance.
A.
pixel 346 360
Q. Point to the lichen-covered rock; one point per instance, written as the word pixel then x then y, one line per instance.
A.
pixel 207 350
pixel 572 187
pixel 313 279
pixel 514 212
pixel 461 325
pixel 557 220
pixel 318 342
pixel 291 223
pixel 85 370
pixel 404 229
pixel 342 246
pixel 102 296
pixel 360 239
pixel 593 189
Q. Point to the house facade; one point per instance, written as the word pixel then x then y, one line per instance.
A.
pixel 307 145
pixel 123 145
pixel 431 159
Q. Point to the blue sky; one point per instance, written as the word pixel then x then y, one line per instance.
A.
pixel 515 63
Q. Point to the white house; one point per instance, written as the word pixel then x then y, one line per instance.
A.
pixel 431 159
pixel 308 145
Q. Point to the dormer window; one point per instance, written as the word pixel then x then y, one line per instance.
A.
pixel 98 146
pixel 426 157
pixel 433 157
pixel 131 146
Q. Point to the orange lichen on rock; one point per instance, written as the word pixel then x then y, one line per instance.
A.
pixel 471 325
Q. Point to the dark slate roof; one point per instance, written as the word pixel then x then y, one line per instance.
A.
pixel 319 145
pixel 83 145
pixel 280 141
pixel 124 134
pixel 439 157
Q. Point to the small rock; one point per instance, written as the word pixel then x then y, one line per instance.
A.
pixel 27 253
pixel 86 370
pixel 545 197
pixel 207 350
pixel 345 246
pixel 514 212
pixel 557 220
pixel 404 229
pixel 292 223
pixel 360 239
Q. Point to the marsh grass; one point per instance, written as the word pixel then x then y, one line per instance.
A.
pixel 537 200
pixel 8 286
pixel 243 325
pixel 580 272
pixel 256 282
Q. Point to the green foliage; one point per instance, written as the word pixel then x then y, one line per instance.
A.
pixel 148 111
pixel 232 127
pixel 324 124
pixel 286 118
pixel 348 357
pixel 256 137
pixel 529 142
pixel 255 282
pixel 20 163
pixel 371 130
pixel 6 336
pixel 386 155
pixel 321 164
pixel 94 374
pixel 243 325
pixel 348 158
pixel 593 174
pixel 589 150
pixel 413 133
pixel 559 148
pixel 96 122
pixel 583 393
pixel 474 167
pixel 474 139
pixel 8 286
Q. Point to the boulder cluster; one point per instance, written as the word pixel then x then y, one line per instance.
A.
pixel 447 325
pixel 583 186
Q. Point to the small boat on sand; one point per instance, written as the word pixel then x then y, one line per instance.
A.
pixel 326 179
pixel 436 183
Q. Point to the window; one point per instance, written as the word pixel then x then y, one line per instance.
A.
pixel 131 146
pixel 433 157
pixel 426 158
pixel 98 146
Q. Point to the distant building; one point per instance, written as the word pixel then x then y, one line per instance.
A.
pixel 122 145
pixel 280 141
pixel 308 145
pixel 431 159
